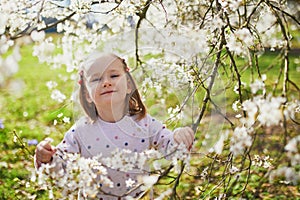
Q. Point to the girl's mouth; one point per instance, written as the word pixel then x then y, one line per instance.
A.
pixel 107 92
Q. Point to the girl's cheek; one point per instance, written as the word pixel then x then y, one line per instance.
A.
pixel 94 91
pixel 90 91
pixel 91 87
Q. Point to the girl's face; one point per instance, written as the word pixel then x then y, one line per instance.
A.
pixel 107 82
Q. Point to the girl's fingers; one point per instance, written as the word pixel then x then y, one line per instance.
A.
pixel 184 135
pixel 184 139
pixel 189 136
pixel 45 154
pixel 44 151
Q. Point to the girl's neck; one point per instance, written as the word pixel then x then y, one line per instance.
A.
pixel 111 115
pixel 110 118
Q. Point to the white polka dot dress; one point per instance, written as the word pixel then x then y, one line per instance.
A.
pixel 103 138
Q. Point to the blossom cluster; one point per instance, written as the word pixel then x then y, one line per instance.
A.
pixel 267 111
pixel 232 5
pixel 261 110
pixel 240 140
pixel 78 174
pixel 262 161
pixel 81 174
pixel 290 174
pixel 293 150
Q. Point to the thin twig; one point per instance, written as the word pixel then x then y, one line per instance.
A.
pixel 212 76
pixel 142 16
pixel 24 148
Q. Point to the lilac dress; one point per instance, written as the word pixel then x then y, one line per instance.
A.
pixel 103 138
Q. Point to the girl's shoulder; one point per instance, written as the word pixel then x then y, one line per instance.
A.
pixel 148 120
pixel 83 123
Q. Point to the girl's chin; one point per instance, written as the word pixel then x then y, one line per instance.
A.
pixel 106 102
pixel 110 102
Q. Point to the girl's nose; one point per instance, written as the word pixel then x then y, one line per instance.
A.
pixel 106 83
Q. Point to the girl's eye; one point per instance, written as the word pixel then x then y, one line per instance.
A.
pixel 114 75
pixel 96 79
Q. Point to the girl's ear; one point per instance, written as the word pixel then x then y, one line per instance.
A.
pixel 88 98
pixel 129 86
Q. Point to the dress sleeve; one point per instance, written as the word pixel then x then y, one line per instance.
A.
pixel 162 138
pixel 70 142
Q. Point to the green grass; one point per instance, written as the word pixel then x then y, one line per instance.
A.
pixel 30 115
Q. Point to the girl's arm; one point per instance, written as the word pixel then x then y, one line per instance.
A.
pixel 46 153
pixel 165 139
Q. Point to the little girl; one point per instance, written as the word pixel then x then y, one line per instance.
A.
pixel 116 118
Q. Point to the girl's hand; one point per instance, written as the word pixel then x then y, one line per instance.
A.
pixel 184 135
pixel 44 151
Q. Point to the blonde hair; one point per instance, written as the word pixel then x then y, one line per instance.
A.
pixel 134 104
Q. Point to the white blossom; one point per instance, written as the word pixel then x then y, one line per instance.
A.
pixel 292 145
pixel 266 110
pixel 262 161
pixel 44 50
pixel 16 88
pixel 204 173
pixel 288 173
pixel 3 22
pixel 11 65
pixel 231 5
pixel 270 110
pixel 25 114
pixel 164 194
pixel 38 36
pixel 236 106
pixel 157 165
pixel 218 147
pixel 252 109
pixel 234 45
pixel 51 196
pixel 240 140
pixel 257 85
pixel 94 170
pixel 66 120
pixel 291 108
pixel 129 183
pixel 58 96
pixel 51 84
pixel 292 148
pixel 233 169
pixel 148 181
pixel 236 87
pixel 239 41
